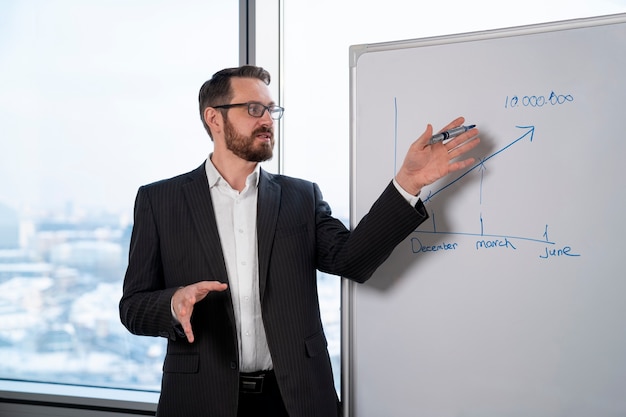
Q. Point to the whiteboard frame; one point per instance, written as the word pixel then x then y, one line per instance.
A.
pixel 348 287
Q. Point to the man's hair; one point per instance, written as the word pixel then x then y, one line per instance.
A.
pixel 217 91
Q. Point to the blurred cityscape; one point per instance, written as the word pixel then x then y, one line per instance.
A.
pixel 60 283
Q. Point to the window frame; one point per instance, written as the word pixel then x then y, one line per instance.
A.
pixel 25 398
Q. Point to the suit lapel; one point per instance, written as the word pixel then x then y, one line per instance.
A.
pixel 198 197
pixel 200 205
pixel 268 205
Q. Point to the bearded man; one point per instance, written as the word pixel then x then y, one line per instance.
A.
pixel 223 261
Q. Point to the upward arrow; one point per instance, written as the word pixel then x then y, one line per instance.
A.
pixel 530 131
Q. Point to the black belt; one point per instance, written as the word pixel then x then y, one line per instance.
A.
pixel 252 383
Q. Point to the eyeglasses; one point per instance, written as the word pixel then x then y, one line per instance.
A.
pixel 256 109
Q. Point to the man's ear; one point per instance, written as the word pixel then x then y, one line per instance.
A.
pixel 214 119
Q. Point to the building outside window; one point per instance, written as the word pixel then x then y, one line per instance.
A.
pixel 96 99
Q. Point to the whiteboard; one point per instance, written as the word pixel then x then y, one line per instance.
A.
pixel 510 300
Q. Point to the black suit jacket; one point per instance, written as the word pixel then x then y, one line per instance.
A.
pixel 175 242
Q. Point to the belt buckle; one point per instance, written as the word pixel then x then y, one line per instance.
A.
pixel 251 384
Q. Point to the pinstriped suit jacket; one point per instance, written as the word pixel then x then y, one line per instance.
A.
pixel 175 242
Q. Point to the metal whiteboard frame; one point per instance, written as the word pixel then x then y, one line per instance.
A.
pixel 356 51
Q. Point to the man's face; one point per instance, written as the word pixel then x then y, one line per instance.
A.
pixel 250 138
pixel 257 147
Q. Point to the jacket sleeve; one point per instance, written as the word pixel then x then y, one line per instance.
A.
pixel 356 255
pixel 145 303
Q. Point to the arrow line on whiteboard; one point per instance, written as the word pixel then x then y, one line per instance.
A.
pixel 530 132
pixel 482 226
pixel 482 169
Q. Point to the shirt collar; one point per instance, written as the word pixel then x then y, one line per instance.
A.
pixel 215 177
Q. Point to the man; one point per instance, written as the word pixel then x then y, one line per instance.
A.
pixel 223 261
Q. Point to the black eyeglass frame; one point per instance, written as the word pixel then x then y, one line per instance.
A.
pixel 276 112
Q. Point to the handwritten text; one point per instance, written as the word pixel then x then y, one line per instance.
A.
pixel 553 99
pixel 418 247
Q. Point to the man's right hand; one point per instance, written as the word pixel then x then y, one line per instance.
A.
pixel 185 298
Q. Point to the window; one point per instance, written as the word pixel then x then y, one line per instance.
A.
pixel 96 99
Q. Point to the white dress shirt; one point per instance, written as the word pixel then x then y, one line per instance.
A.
pixel 235 213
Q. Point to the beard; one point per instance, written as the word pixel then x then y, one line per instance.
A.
pixel 246 147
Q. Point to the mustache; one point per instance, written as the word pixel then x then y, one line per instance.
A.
pixel 263 129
